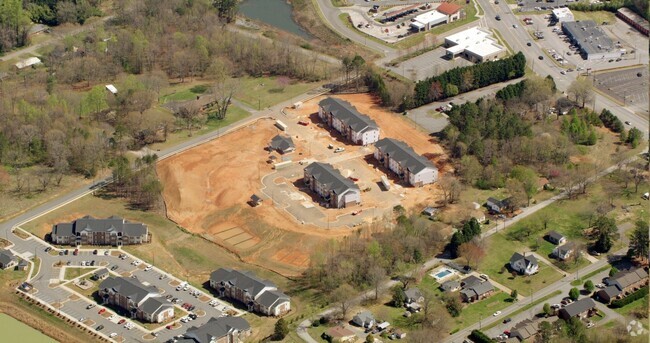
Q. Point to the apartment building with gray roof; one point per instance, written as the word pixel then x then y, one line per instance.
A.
pixel 344 118
pixel 87 230
pixel 327 182
pixel 258 295
pixel 218 330
pixel 405 162
pixel 139 300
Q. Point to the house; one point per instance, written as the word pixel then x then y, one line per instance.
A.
pixel 413 295
pixel 563 252
pixel 403 161
pixel 344 118
pixel 478 214
pixel 28 62
pixel 476 291
pixel 628 281
pixel 141 301
pixel 582 308
pixel 255 200
pixel 497 206
pixel 528 328
pixel 364 319
pixel 100 274
pixel 413 307
pixel 609 293
pixel 258 295
pixel 7 259
pixel 450 286
pixel 22 264
pixel 328 183
pixel 523 264
pixel 113 230
pixel 218 330
pixel 470 281
pixel 282 144
pixel 555 238
pixel 340 333
pixel 452 11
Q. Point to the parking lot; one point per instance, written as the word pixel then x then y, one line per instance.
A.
pixel 625 85
pixel 428 64
pixel 535 5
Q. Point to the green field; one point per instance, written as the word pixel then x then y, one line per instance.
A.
pixel 11 327
pixel 186 93
pixel 598 16
pixel 482 309
pixel 73 273
pixel 263 92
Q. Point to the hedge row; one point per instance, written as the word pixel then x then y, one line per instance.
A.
pixel 630 298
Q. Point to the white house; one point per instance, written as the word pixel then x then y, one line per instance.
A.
pixel 564 251
pixel 403 161
pixel 328 182
pixel 344 118
pixel 523 264
pixel 364 319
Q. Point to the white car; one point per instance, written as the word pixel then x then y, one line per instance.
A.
pixel 496 313
pixel 113 334
pixel 82 319
pixel 149 267
pixel 339 149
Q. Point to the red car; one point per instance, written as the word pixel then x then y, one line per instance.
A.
pixel 169 327
pixel 303 123
pixel 102 311
pixel 121 322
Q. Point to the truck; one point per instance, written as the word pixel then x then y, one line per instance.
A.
pixel 385 182
pixel 280 125
pixel 281 165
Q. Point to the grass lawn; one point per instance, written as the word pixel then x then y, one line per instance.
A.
pixel 483 309
pixel 582 280
pixel 598 16
pixel 73 273
pixel 635 306
pixel 263 92
pixel 184 92
pixel 499 256
pixel 317 332
pixel 525 308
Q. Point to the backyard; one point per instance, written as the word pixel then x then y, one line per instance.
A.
pixel 263 92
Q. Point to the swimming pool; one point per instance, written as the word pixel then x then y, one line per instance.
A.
pixel 441 273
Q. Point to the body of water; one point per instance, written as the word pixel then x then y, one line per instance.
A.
pixel 276 13
pixel 16 331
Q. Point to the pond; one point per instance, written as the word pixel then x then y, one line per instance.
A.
pixel 11 327
pixel 276 13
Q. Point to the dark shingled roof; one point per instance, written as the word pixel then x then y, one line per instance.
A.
pixel 282 143
pixel 270 299
pixel 449 285
pixel 215 329
pixel 349 115
pixel 90 224
pixel 554 235
pixel 404 155
pixel 529 259
pixel 128 287
pixel 330 178
pixel 611 291
pixel 241 279
pixel 154 305
pixel 563 249
pixel 578 307
pixel 6 256
pixel 626 278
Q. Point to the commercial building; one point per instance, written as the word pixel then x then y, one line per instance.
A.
pixel 406 163
pixel 592 41
pixel 344 118
pixel 452 11
pixel 475 44
pixel 328 183
pixel 562 14
pixel 218 330
pixel 258 295
pixel 634 20
pixel 113 230
pixel 139 300
pixel 426 21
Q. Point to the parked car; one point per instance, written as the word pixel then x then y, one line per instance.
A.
pixel 122 321
pixel 507 320
pixel 90 306
pixel 95 252
pixel 496 313
pixel 101 311
pixel 339 149
pixel 99 328
pixel 113 334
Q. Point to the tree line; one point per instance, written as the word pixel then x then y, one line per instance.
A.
pixel 465 79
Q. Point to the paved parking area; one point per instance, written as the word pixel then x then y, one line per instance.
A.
pixel 625 85
pixel 533 5
pixel 428 64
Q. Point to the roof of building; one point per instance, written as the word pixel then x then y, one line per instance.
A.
pixel 475 40
pixel 112 89
pixel 6 256
pixel 634 17
pixel 215 329
pixel 555 235
pixel 241 279
pixel 404 155
pixel 626 278
pixel 282 143
pixel 330 178
pixel 154 305
pixel 528 259
pixel 562 12
pixel 495 202
pixel 591 38
pixel 579 306
pixel 611 291
pixel 525 329
pixel 364 316
pixel 348 114
pixel 129 287
pixel 28 62
pixel 429 17
pixel 448 8
pixel 23 263
pixel 270 299
pixel 101 272
pixel 470 281
pixel 339 331
pixel 413 293
pixel 450 285
pixel 483 287
pixel 89 224
pixel 566 248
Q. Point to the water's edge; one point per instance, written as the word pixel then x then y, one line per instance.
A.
pixel 276 13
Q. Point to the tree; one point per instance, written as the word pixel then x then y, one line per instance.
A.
pixel 94 101
pixel 370 339
pixel 472 252
pixel 547 310
pixel 375 275
pixel 342 297
pixel 589 286
pixel 281 329
pixel 640 240
pixel 357 63
pixel 582 90
pixel 634 137
pixel 545 332
pixel 514 295
pixel 528 179
pixel 605 229
pixel 453 305
pixel 638 175
pixel 574 294
pixel 226 9
pixel 398 295
pixel 450 188
pixel 613 271
pixel 221 95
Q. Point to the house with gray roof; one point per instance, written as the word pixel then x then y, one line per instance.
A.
pixel 564 251
pixel 282 144
pixel 555 237
pixel 344 118
pixel 218 330
pixel 402 160
pixel 7 259
pixel 100 274
pixel 141 301
pixel 364 319
pixel 628 281
pixel 413 295
pixel 609 293
pixel 477 291
pixel 581 309
pixel 526 265
pixel 258 295
pixel 327 182
pixel 496 205
pixel 450 286
pixel 113 231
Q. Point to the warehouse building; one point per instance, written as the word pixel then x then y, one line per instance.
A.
pixel 592 41
pixel 475 44
pixel 428 20
pixel 634 20
pixel 563 14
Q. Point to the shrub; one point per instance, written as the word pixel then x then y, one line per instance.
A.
pixel 630 298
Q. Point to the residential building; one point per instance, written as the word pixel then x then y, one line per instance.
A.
pixel 413 295
pixel 255 200
pixel 344 118
pixel 581 309
pixel 7 259
pixel 340 333
pixel 403 161
pixel 101 274
pixel 22 265
pixel 428 20
pixel 218 330
pixel 628 280
pixel 475 44
pixel 555 238
pixel 113 230
pixel 141 301
pixel 473 291
pixel 430 211
pixel 592 41
pixel 328 183
pixel 564 251
pixel 528 328
pixel 28 62
pixel 364 319
pixel 562 14
pixel 608 294
pixel 282 144
pixel 523 264
pixel 497 206
pixel 450 286
pixel 452 11
pixel 258 295
pixel 634 20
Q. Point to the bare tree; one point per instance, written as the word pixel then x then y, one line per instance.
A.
pixel 471 252
pixel 582 90
pixel 376 275
pixel 451 189
pixel 188 113
pixel 342 296
pixel 221 94
pixel 638 175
